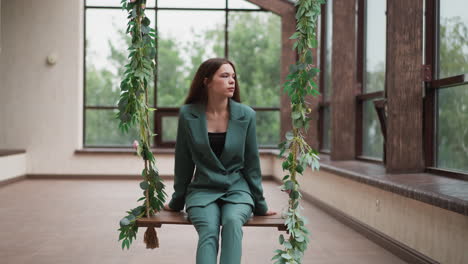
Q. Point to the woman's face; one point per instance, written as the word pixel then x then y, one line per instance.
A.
pixel 223 82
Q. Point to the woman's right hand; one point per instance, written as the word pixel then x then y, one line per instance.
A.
pixel 167 208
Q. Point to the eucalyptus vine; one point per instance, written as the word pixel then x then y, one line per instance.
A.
pixel 134 110
pixel 300 83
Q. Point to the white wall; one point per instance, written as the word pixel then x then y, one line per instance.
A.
pixel 12 166
pixel 41 105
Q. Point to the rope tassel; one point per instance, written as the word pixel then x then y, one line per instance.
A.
pixel 151 238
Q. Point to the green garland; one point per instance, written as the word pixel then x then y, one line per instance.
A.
pixel 133 109
pixel 300 82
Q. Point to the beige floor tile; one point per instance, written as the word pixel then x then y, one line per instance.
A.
pixel 76 221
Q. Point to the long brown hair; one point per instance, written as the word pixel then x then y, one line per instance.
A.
pixel 198 92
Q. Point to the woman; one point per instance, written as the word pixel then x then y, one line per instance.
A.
pixel 216 135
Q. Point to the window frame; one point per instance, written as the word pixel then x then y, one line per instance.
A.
pixel 431 85
pixel 361 95
pixel 163 111
pixel 324 102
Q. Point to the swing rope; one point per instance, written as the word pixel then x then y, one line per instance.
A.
pixel 133 107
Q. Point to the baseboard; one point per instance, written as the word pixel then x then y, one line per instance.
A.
pixel 89 177
pixel 12 180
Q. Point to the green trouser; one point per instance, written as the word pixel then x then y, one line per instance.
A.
pixel 207 222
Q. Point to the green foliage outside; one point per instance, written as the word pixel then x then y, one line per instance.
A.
pixel 452 114
pixel 452 124
pixel 373 141
pixel 254 46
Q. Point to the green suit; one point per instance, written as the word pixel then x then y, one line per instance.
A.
pixel 222 191
pixel 237 172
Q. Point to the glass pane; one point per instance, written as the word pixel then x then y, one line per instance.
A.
pixel 326 136
pixel 183 47
pixel 452 128
pixel 149 3
pixel 375 38
pixel 106 55
pixel 192 4
pixel 102 129
pixel 242 4
pixel 328 52
pixel 453 38
pixel 372 139
pixel 255 49
pixel 268 128
pixel 169 126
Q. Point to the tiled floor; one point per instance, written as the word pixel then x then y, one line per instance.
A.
pixel 76 221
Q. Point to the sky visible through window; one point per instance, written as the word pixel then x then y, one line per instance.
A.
pixel 101 25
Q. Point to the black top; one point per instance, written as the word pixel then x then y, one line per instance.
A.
pixel 217 142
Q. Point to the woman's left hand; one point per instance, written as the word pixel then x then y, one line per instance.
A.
pixel 270 212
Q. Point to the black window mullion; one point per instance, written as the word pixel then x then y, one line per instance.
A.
pixel 83 110
pixel 155 79
pixel 164 111
pixel 226 31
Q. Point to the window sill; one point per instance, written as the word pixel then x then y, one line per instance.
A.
pixel 119 151
pixel 131 151
pixel 9 152
pixel 444 192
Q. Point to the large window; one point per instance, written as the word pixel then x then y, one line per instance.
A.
pixel 326 76
pixel 189 32
pixel 447 94
pixel 371 76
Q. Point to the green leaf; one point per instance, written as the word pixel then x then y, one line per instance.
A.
pixel 144 185
pixel 294 195
pixel 296 115
pixel 299 238
pixel 281 239
pixel 154 203
pixel 122 235
pixel 124 222
pixel 289 185
pixel 292 68
pixel 138 210
pixel 299 168
pixel 294 36
pixel 145 29
pixel 145 21
pixel 295 205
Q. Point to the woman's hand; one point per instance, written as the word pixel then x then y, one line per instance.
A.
pixel 167 208
pixel 270 212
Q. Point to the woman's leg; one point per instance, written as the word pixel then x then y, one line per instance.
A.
pixel 233 217
pixel 206 221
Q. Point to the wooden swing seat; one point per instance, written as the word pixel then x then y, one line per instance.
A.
pixel 180 218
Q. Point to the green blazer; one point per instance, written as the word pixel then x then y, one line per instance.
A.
pixel 235 175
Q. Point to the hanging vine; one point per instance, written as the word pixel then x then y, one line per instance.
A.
pixel 300 82
pixel 134 110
